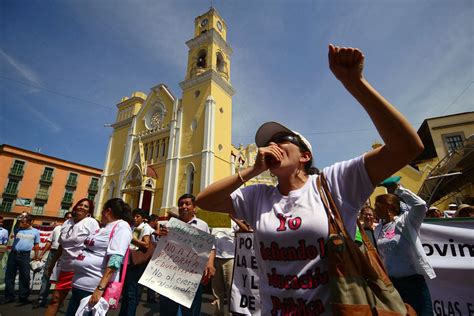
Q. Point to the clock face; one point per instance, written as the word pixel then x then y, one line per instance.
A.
pixel 204 22
pixel 219 25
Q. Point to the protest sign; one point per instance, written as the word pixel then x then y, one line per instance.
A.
pixel 245 297
pixel 449 247
pixel 177 265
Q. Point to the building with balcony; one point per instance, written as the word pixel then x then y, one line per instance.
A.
pixel 42 185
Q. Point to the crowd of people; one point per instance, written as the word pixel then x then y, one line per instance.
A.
pixel 85 255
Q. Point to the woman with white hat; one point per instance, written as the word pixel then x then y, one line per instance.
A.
pixel 289 220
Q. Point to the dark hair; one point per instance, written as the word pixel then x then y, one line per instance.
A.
pixel 91 205
pixel 141 212
pixel 308 166
pixel 67 213
pixel 391 200
pixel 153 217
pixel 29 218
pixel 120 209
pixel 188 196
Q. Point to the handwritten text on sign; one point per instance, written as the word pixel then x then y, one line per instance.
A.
pixel 245 298
pixel 177 265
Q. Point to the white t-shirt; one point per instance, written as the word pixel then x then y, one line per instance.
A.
pixel 225 245
pixel 141 231
pixel 72 240
pixel 290 233
pixel 90 265
pixel 54 237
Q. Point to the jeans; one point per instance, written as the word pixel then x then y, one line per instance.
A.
pixel 414 291
pixel 77 296
pixel 171 308
pixel 18 261
pixel 45 284
pixel 132 290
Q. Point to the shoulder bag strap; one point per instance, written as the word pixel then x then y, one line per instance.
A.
pixel 334 217
pixel 125 262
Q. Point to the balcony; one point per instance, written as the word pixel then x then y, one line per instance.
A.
pixel 46 179
pixel 42 196
pixel 93 188
pixel 67 200
pixel 16 173
pixel 10 192
pixel 5 207
pixel 71 183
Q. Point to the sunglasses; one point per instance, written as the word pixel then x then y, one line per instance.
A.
pixel 284 139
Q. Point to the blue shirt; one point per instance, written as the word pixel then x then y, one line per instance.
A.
pixel 25 239
pixel 3 236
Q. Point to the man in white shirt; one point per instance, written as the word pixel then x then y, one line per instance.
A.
pixel 224 263
pixel 187 213
pixel 52 245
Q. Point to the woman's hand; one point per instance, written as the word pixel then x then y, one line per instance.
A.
pixel 346 63
pixel 268 156
pixel 95 297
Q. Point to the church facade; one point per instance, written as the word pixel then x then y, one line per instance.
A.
pixel 163 146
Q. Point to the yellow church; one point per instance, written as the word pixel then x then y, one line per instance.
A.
pixel 163 146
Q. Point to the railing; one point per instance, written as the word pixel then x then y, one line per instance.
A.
pixel 5 207
pixel 17 172
pixel 42 196
pixel 67 200
pixel 10 191
pixel 46 178
pixel 71 183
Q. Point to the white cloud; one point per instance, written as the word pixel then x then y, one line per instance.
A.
pixel 52 126
pixel 23 70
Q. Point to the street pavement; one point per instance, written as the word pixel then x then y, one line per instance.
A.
pixel 144 308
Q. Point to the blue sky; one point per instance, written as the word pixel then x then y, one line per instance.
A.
pixel 64 65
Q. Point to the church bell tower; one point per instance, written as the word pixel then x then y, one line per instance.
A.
pixel 206 106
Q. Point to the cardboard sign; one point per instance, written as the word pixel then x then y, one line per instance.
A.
pixel 245 296
pixel 177 265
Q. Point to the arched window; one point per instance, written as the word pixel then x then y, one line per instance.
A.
pixel 201 60
pixel 220 65
pixel 190 178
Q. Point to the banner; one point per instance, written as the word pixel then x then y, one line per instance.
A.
pixel 177 265
pixel 450 250
pixel 245 296
pixel 448 244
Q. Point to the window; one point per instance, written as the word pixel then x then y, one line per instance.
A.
pixel 38 209
pixel 190 178
pixel 454 142
pixel 72 180
pixel 12 187
pixel 157 149
pixel 42 192
pixel 163 148
pixel 150 152
pixel 201 59
pixel 68 196
pixel 91 196
pixel 6 205
pixel 18 167
pixel 64 209
pixel 47 174
pixel 94 186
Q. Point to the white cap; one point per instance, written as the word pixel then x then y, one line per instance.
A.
pixel 270 129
